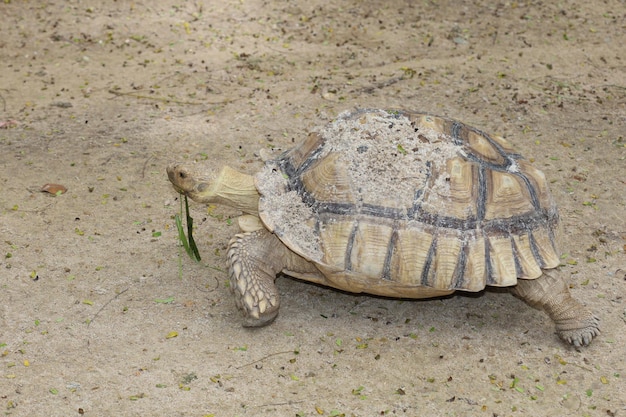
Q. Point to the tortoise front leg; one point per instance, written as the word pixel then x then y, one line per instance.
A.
pixel 254 260
pixel 574 323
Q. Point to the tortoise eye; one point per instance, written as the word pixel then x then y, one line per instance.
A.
pixel 182 175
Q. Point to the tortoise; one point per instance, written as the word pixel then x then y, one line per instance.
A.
pixel 398 204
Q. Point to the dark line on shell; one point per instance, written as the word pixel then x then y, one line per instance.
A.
pixel 350 246
pixel 294 173
pixel 518 266
pixel 430 257
pixel 455 130
pixel 286 167
pixel 310 160
pixel 484 163
pixel 534 198
pixel 534 249
pixel 501 151
pixel 317 227
pixel 490 280
pixel 458 279
pixel 481 198
pixel 508 157
pixel 389 255
pixel 380 211
pixel 415 208
pixel 345 209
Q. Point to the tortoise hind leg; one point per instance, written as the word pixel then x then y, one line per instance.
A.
pixel 254 260
pixel 574 323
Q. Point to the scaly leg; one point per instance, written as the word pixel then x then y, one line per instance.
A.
pixel 574 323
pixel 254 259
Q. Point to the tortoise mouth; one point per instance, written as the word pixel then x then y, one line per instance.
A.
pixel 176 174
pixel 178 189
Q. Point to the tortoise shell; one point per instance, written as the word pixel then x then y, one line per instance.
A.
pixel 409 204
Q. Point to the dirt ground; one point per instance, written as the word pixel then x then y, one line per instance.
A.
pixel 101 313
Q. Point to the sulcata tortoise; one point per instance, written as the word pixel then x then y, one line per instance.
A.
pixel 398 204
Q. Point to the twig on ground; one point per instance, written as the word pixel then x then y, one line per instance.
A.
pixel 264 357
pixel 105 304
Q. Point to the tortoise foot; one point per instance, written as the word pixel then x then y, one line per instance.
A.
pixel 574 323
pixel 254 319
pixel 579 331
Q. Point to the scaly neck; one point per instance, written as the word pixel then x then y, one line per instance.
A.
pixel 237 190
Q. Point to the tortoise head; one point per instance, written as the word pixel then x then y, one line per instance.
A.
pixel 188 182
pixel 228 186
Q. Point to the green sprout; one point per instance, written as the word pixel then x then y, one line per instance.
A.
pixel 188 244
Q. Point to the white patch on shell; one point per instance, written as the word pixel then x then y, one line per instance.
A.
pixel 514 167
pixel 387 158
pixel 285 211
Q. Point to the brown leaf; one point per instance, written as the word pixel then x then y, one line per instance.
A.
pixel 56 189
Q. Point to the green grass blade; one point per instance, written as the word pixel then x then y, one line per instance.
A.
pixel 189 245
pixel 192 243
pixel 181 234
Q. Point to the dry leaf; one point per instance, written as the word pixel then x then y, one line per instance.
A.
pixel 56 189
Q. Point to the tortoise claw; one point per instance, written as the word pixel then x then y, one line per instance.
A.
pixel 256 320
pixel 579 336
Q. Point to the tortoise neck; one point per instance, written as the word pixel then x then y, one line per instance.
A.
pixel 237 190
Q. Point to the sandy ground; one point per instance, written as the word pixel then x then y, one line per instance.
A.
pixel 100 95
